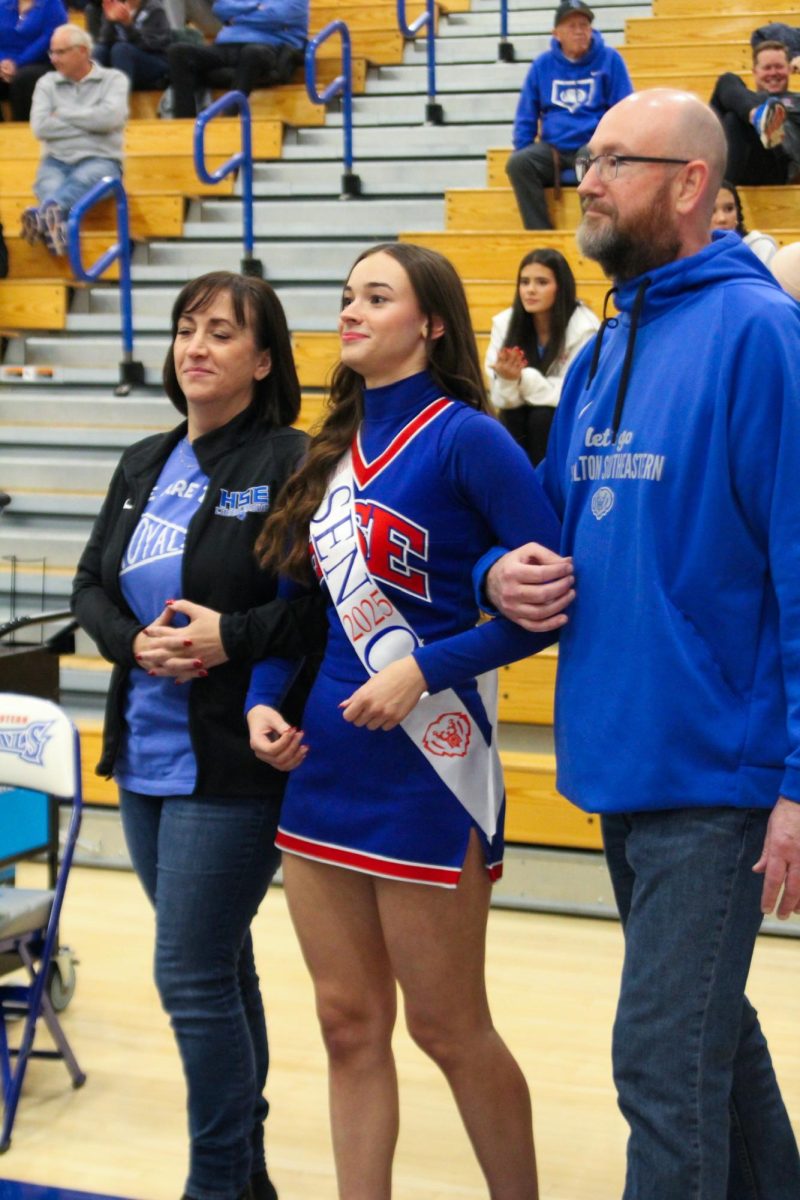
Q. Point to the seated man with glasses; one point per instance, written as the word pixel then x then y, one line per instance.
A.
pixel 78 114
pixel 762 126
pixel 567 90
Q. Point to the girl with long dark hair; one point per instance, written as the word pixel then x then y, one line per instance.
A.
pixel 532 344
pixel 392 828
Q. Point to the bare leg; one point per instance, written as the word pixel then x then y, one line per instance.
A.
pixel 436 941
pixel 336 918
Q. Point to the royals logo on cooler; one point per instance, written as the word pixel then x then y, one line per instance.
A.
pixel 448 735
pixel 27 742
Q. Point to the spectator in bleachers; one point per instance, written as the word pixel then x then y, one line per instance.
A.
pixel 532 344
pixel 259 45
pixel 776 31
pixel 78 114
pixel 762 126
pixel 134 37
pixel 26 27
pixel 568 88
pixel 728 214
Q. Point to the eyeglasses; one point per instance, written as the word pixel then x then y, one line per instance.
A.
pixel 607 165
pixel 61 53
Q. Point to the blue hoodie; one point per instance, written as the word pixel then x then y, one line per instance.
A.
pixel 26 39
pixel 570 97
pixel 265 22
pixel 679 671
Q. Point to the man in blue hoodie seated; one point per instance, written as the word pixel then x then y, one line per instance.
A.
pixel 568 88
pixel 672 462
pixel 259 44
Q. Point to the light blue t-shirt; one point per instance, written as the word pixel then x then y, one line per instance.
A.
pixel 156 755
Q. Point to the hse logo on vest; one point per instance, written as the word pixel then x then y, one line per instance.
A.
pixel 239 504
pixel 572 94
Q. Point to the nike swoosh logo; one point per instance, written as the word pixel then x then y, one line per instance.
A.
pixel 583 410
pixel 128 503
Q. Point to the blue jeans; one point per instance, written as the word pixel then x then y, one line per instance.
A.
pixel 67 182
pixel 692 1068
pixel 206 863
pixel 144 68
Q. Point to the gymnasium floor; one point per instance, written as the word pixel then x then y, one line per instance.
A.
pixel 552 983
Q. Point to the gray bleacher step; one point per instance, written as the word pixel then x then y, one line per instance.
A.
pixel 378 178
pixel 43 503
pixel 482 49
pixel 73 470
pixel 460 108
pixel 534 19
pixel 367 218
pixel 290 261
pixel 84 682
pixel 103 352
pixel 68 436
pixel 85 408
pixel 398 141
pixel 455 77
pixel 310 308
pixel 60 544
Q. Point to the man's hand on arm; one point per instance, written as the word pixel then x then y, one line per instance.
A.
pixel 780 860
pixel 532 586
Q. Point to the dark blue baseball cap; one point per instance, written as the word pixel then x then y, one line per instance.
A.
pixel 572 6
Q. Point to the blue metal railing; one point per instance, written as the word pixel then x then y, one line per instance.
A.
pixel 131 372
pixel 342 86
pixel 505 48
pixel 243 158
pixel 434 113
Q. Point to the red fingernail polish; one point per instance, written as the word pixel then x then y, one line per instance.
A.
pixel 169 601
pixel 137 657
pixel 203 674
pixel 197 662
pixel 187 642
pixel 151 672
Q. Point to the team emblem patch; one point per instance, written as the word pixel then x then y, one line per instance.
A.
pixel 602 502
pixel 27 742
pixel 448 735
pixel 239 504
pixel 572 94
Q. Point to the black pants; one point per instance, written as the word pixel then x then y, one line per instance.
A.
pixel 19 92
pixel 191 68
pixel 748 161
pixel 530 427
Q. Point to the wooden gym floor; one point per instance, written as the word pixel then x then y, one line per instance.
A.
pixel 552 983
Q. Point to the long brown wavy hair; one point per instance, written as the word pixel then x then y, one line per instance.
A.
pixel 452 360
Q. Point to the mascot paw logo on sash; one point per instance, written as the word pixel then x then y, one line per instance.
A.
pixel 448 735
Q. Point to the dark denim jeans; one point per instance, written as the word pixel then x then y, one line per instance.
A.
pixel 205 863
pixel 692 1068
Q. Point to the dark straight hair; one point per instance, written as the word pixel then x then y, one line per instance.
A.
pixel 741 228
pixel 521 327
pixel 276 397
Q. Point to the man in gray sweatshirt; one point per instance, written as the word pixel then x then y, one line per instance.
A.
pixel 78 114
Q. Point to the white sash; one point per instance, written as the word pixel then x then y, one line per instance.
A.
pixel 439 726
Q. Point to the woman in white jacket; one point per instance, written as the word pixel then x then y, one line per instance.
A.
pixel 532 344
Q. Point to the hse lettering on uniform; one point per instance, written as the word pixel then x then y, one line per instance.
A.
pixel 239 504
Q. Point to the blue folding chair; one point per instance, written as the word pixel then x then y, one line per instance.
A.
pixel 39 752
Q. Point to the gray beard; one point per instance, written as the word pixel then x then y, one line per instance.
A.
pixel 624 256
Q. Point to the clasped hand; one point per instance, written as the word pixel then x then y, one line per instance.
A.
pixel 182 652
pixel 510 362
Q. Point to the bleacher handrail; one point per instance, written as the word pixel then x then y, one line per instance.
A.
pixel 342 86
pixel 243 158
pixel 505 48
pixel 131 372
pixel 434 113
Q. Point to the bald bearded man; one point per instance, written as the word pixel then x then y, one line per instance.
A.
pixel 672 463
